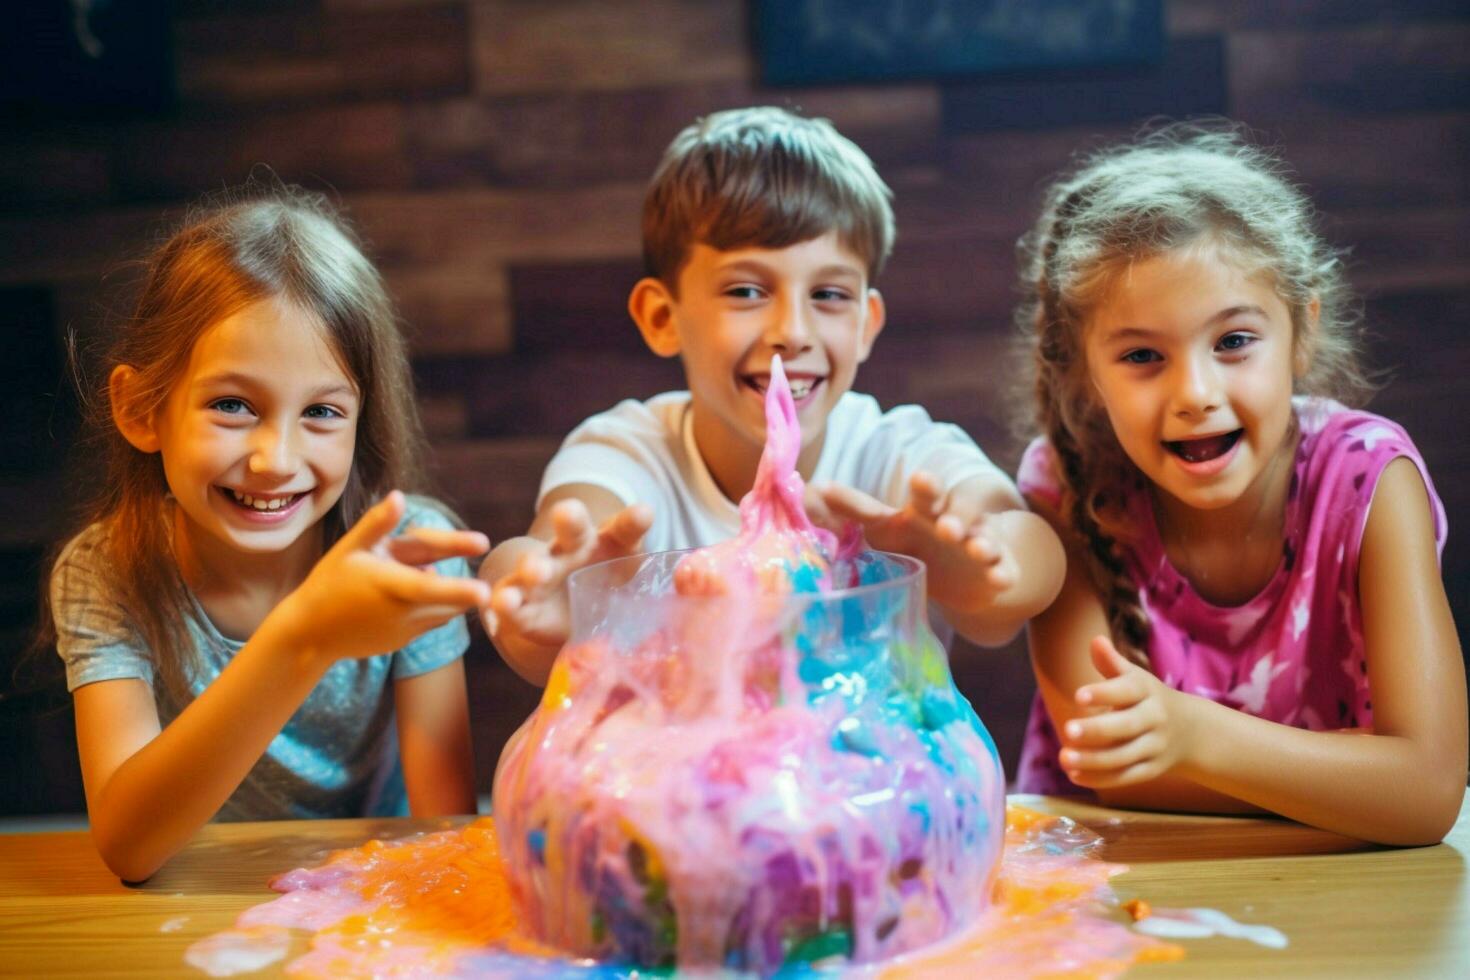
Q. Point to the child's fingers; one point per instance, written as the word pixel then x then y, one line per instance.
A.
pixel 421 588
pixel 424 545
pixel 699 575
pixel 1114 757
pixel 854 505
pixel 520 594
pixel 1106 658
pixel 925 496
pixel 534 570
pixel 951 529
pixel 571 527
pixel 981 548
pixel 623 532
pixel 1120 692
pixel 427 617
pixel 698 580
pixel 1108 728
pixel 505 600
pixel 374 525
pixel 1139 772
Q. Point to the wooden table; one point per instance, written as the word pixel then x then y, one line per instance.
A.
pixel 1347 909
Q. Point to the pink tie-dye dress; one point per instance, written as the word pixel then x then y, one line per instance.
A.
pixel 1294 653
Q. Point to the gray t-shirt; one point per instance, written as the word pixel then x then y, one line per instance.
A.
pixel 336 757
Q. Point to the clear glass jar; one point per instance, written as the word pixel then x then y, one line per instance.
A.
pixel 750 781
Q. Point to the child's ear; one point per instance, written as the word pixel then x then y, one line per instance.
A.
pixel 136 427
pixel 652 307
pixel 1305 346
pixel 877 316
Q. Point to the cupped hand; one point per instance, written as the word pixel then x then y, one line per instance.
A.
pixel 1137 728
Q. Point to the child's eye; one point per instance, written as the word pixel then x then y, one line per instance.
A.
pixel 1235 341
pixel 743 291
pixel 1141 356
pixel 831 295
pixel 230 406
pixel 324 412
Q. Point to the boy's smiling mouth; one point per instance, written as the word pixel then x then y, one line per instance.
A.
pixel 802 385
pixel 1205 448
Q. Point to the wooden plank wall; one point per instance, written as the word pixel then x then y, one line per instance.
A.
pixel 493 154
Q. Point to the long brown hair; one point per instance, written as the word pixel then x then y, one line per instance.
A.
pixel 1173 187
pixel 246 246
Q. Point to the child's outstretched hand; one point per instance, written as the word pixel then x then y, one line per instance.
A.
pixel 371 593
pixel 1139 729
pixel 967 567
pixel 531 602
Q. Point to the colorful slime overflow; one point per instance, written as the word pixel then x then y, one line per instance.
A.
pixel 438 905
pixel 752 756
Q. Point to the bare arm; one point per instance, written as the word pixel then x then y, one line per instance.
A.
pixel 148 790
pixel 1404 783
pixel 1401 784
pixel 434 741
pixel 577 524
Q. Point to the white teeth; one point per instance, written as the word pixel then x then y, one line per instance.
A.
pixel 260 503
pixel 799 389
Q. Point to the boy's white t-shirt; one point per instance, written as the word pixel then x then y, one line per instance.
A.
pixel 644 452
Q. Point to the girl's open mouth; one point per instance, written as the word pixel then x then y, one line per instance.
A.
pixel 1206 449
pixel 263 508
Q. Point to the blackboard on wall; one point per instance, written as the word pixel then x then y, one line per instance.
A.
pixel 803 42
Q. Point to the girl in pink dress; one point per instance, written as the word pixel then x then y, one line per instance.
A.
pixel 1253 616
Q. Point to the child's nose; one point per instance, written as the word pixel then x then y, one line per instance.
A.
pixel 790 327
pixel 273 452
pixel 1198 391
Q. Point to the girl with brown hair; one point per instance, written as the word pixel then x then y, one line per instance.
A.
pixel 252 620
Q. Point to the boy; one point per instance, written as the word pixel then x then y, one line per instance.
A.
pixel 763 232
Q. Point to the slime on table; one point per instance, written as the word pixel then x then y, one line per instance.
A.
pixel 752 755
pixel 437 905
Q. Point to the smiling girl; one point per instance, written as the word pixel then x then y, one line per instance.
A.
pixel 252 622
pixel 1253 616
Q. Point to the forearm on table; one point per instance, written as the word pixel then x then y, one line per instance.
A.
pixel 1040 565
pixel 1384 788
pixel 155 800
pixel 1174 794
